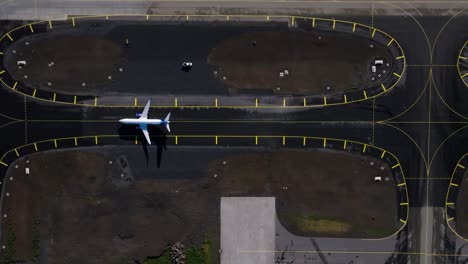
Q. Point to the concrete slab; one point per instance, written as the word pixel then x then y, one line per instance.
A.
pixel 248 230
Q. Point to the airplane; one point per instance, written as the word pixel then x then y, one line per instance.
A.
pixel 142 121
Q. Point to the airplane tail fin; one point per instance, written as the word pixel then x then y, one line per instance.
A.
pixel 166 121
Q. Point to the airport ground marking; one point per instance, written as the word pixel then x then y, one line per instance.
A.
pixel 324 142
pixel 34 93
pixel 216 140
pixel 450 219
pixel 304 141
pixel 292 20
pixel 268 18
pixel 354 27
pixel 256 102
pixel 344 145
pixel 35 146
pixel 95 140
pixel 464 75
pixel 3 163
pixel 390 42
pixel 53 98
pixel 8 35
pixel 373 33
pixel 403 221
pixel 383 87
pixel 175 102
pixel 17 153
pixel 55 143
pixel 461 166
pixel 176 140
pixel 284 102
pixel 383 154
pixel 450 203
pixel 2 72
pixel 334 24
pixel 74 100
pixel 256 140
pixel 345 98
pixel 324 100
pixel 73 21
pixel 187 18
pixel 227 18
pixel 401 184
pixel 284 140
pixel 313 22
pixel 1 53
pixel 453 184
pixel 135 102
pixel 216 102
pixel 147 17
pixel 95 101
pixel 404 204
pixel 461 57
pixel 400 57
pixel 14 85
pixel 364 148
pixel 305 102
pixel 354 24
pixel 136 140
pixel 76 141
pixel 365 94
pixel 397 75
pixel 395 166
pixel 31 28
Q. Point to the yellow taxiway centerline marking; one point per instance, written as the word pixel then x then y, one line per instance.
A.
pixel 454 184
pixel 305 102
pixel 54 97
pixel 324 142
pixel 76 141
pixel 256 102
pixel 461 166
pixel 303 141
pixel 74 100
pixel 464 75
pixel 96 140
pixel 14 85
pixel 34 93
pixel 344 145
pixel 268 18
pixel 55 143
pixel 73 21
pixel 284 140
pixel 216 140
pixel 324 100
pixel 397 75
pixel 35 146
pixel 175 102
pixel 292 21
pixel 373 33
pixel 345 98
pixel 400 57
pixel 216 102
pixel 390 42
pixel 397 165
pixel 107 17
pixel 403 203
pixel 3 163
pixel 364 148
pixel 450 203
pixel 95 101
pixel 227 18
pixel 354 27
pixel 31 28
pixel 135 102
pixel 313 22
pixel 334 24
pixel 8 35
pixel 2 72
pixel 401 184
pixel 147 17
pixel 16 151
pixel 187 18
pixel 50 24
pixel 403 221
pixel 383 87
pixel 176 140
pixel 136 140
pixel 365 94
pixel 284 102
pixel 461 57
pixel 450 219
pixel 256 140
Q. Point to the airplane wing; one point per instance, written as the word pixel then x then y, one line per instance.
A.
pixel 144 128
pixel 144 114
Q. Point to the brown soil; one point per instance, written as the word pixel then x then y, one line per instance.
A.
pixel 76 60
pixel 461 208
pixel 90 214
pixel 313 64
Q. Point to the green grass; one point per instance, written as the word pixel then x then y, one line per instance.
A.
pixel 163 259
pixel 208 250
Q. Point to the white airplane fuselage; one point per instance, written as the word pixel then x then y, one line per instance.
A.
pixel 137 121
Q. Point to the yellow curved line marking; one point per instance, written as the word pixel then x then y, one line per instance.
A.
pixel 443 142
pixel 460 57
pixel 354 24
pixel 176 137
pixel 447 203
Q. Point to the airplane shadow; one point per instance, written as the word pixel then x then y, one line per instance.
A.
pixel 157 135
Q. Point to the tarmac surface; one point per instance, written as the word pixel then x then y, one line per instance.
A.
pixel 422 122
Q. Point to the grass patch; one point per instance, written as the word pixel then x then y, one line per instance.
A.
pixel 163 259
pixel 208 250
pixel 321 225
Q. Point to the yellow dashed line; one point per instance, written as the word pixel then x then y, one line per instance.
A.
pixel 324 142
pixel 305 102
pixel 383 87
pixel 216 102
pixel 95 101
pixel 256 140
pixel 354 27
pixel 383 154
pixel 35 146
pixel 403 221
pixel 344 145
pixel 334 24
pixel 324 100
pixel 50 24
pixel 34 93
pixel 176 139
pixel 284 102
pixel 14 85
pixel 373 32
pixel 394 166
pixel 74 100
pixel 303 141
pixel 1 53
pixel 3 163
pixel 216 140
pixel 313 22
pixel 397 75
pixel 256 102
pixel 175 102
pixel 400 57
pixel 284 140
pixel 135 102
pixel 454 184
pixel 76 142
pixel 345 99
pixel 31 28
pixel 55 143
pixel 8 35
pixel 461 166
pixel 390 42
pixel 450 219
pixel 96 140
pixel 16 151
pixel 450 203
pixel 401 184
pixel 365 94
pixel 73 21
pixel 292 21
pixel 403 203
pixel 364 148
